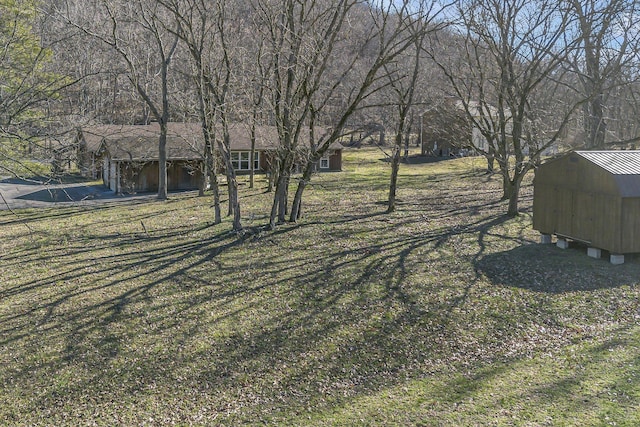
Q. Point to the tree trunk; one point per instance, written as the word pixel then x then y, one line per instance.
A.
pixel 271 179
pixel 283 201
pixel 162 163
pixel 210 160
pixel 274 213
pixel 407 138
pixel 512 191
pixel 237 220
pixel 514 196
pixel 296 206
pixel 506 181
pixel 279 199
pixel 491 160
pixel 405 156
pixel 274 167
pixel 217 219
pixel 232 183
pixel 203 181
pixel 234 202
pixel 393 184
pixel 252 154
pixel 597 125
pixel 213 179
pixel 230 195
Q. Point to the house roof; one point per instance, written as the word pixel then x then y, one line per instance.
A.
pixel 615 162
pixel 184 140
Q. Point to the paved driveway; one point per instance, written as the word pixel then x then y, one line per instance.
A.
pixel 18 194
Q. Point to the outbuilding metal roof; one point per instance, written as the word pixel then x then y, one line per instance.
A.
pixel 615 162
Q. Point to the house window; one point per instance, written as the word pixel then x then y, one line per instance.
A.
pixel 240 160
pixel 324 163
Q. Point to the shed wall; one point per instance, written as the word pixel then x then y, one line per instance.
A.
pixel 630 238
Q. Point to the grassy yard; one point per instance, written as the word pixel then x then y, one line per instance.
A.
pixel 444 313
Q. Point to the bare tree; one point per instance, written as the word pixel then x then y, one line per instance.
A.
pixel 144 38
pixel 403 76
pixel 198 29
pixel 506 78
pixel 206 29
pixel 255 73
pixel 608 42
pixel 322 72
pixel 301 36
pixel 624 106
pixel 394 30
pixel 103 92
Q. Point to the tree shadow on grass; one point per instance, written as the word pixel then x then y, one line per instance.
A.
pixel 308 315
pixel 109 201
pixel 548 269
pixel 137 323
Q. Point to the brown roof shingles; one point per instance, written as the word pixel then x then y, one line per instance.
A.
pixel 184 140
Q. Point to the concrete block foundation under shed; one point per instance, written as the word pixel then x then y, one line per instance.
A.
pixel 563 243
pixel 616 259
pixel 545 239
pixel 594 253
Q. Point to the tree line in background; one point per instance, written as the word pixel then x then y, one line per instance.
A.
pixel 525 75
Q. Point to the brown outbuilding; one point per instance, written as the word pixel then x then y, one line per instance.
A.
pixel 592 197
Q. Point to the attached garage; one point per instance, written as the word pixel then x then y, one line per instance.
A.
pixel 130 163
pixel 592 197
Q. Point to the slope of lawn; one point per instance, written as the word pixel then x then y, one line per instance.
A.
pixel 442 313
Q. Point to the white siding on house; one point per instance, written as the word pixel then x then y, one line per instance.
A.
pixel 105 170
pixel 479 141
pixel 112 177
